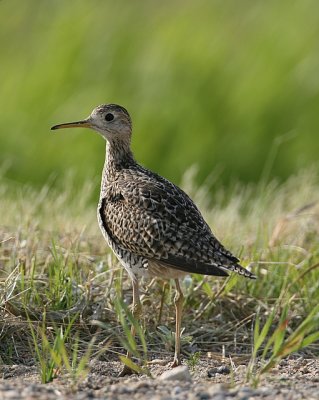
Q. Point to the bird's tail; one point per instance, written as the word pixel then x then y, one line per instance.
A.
pixel 239 270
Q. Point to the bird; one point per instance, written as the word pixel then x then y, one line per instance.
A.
pixel 152 226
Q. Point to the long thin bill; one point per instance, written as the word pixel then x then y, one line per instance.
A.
pixel 78 124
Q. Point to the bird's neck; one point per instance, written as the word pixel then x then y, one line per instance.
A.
pixel 118 157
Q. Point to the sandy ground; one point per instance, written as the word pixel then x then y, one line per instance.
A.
pixel 294 378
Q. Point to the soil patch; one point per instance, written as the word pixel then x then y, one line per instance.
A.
pixel 294 378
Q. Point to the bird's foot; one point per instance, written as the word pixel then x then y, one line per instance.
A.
pixel 176 362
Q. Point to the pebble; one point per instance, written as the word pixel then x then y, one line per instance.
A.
pixel 180 373
pixel 218 391
pixel 219 396
pixel 176 390
pixel 203 396
pixel 223 369
pixel 245 393
pixel 96 386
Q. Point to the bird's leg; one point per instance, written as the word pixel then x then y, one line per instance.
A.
pixel 165 284
pixel 136 311
pixel 178 300
pixel 137 306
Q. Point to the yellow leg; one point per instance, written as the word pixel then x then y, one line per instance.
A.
pixel 165 284
pixel 179 299
pixel 136 311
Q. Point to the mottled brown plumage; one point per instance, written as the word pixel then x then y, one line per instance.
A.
pixel 152 226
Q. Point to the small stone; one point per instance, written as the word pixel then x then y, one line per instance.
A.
pixel 223 369
pixel 180 373
pixel 220 396
pixel 202 396
pixel 211 372
pixel 11 394
pixel 245 393
pixel 176 390
pixel 141 385
pixel 219 389
pixel 266 391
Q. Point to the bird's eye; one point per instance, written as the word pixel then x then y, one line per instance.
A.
pixel 109 117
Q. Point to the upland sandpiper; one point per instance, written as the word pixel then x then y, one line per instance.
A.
pixel 152 226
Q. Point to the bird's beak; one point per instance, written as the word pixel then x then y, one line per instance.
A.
pixel 86 123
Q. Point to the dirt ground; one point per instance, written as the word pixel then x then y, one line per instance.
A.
pixel 294 378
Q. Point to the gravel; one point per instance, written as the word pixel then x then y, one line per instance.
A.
pixel 293 379
pixel 180 373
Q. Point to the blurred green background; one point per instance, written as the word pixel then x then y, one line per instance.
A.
pixel 212 83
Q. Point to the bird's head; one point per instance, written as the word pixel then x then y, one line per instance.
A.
pixel 112 121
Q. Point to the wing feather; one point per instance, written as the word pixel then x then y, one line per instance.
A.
pixel 155 219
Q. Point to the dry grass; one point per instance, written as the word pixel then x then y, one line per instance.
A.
pixel 56 274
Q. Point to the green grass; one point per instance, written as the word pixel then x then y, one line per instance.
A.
pixel 56 352
pixel 206 82
pixel 60 285
pixel 231 85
